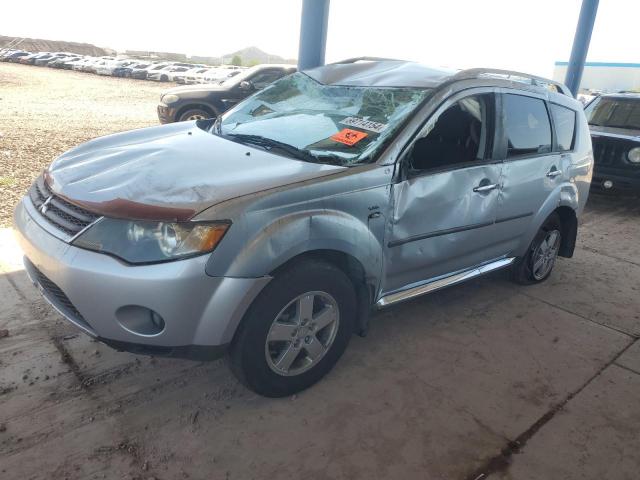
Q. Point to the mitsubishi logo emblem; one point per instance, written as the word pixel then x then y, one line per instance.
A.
pixel 45 205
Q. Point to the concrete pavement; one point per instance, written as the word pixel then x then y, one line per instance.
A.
pixel 483 380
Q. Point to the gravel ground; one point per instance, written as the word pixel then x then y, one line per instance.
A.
pixel 44 112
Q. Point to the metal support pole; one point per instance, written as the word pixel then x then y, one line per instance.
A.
pixel 581 41
pixel 313 33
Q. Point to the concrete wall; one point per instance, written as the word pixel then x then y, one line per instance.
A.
pixel 604 76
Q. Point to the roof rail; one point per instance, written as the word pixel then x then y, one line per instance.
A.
pixel 365 59
pixel 513 76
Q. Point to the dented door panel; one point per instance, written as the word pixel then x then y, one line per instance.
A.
pixel 440 224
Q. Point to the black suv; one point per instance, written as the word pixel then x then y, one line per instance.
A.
pixel 614 121
pixel 195 102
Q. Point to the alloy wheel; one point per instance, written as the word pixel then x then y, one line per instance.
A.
pixel 544 256
pixel 302 333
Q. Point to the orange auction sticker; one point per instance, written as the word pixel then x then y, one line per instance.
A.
pixel 348 136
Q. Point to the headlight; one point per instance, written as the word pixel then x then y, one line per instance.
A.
pixel 634 155
pixel 170 98
pixel 151 242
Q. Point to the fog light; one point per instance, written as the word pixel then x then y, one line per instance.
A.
pixel 140 320
pixel 607 184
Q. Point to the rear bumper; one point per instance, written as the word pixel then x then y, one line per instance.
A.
pixel 110 300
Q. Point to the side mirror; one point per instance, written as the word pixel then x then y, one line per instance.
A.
pixel 246 85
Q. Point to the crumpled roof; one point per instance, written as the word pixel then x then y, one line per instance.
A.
pixel 380 73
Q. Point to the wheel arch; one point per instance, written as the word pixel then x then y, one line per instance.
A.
pixel 264 246
pixel 563 201
pixel 569 225
pixel 353 268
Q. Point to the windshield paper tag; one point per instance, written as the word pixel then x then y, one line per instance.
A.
pixel 348 136
pixel 364 124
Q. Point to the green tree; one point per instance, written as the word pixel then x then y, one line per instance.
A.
pixel 236 60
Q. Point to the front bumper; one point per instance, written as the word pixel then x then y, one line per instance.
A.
pixel 201 313
pixel 623 181
pixel 166 114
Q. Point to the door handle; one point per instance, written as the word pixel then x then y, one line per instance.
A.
pixel 554 172
pixel 485 188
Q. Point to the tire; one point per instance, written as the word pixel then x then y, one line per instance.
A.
pixel 164 78
pixel 298 353
pixel 194 114
pixel 546 243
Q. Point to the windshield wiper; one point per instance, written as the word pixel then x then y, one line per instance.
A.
pixel 269 144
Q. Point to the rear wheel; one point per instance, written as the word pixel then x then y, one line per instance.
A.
pixel 536 265
pixel 296 330
pixel 194 114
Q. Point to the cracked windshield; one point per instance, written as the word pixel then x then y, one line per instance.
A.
pixel 324 123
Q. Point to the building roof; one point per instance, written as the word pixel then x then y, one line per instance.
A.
pixel 633 95
pixel 603 64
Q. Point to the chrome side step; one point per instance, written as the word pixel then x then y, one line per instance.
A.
pixel 443 282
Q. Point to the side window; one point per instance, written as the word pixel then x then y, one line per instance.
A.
pixel 461 134
pixel 564 121
pixel 261 80
pixel 526 125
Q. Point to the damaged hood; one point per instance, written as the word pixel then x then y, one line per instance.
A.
pixel 170 172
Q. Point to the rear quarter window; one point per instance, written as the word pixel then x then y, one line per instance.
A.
pixel 564 121
pixel 527 126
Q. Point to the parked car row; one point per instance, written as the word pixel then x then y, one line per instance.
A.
pixel 160 71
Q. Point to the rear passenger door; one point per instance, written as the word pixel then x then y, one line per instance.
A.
pixel 532 167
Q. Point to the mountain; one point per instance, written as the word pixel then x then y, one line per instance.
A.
pixel 250 55
pixel 253 56
pixel 40 45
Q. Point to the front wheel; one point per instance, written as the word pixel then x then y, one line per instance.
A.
pixel 296 330
pixel 538 262
pixel 194 114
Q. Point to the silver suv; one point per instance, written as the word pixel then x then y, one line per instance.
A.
pixel 274 230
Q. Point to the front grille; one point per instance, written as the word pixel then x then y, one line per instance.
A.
pixel 65 216
pixel 612 151
pixel 56 296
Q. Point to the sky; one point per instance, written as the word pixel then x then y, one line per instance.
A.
pixel 523 35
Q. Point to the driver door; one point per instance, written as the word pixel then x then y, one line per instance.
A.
pixel 445 206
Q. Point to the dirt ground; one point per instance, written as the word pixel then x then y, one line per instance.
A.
pixel 483 380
